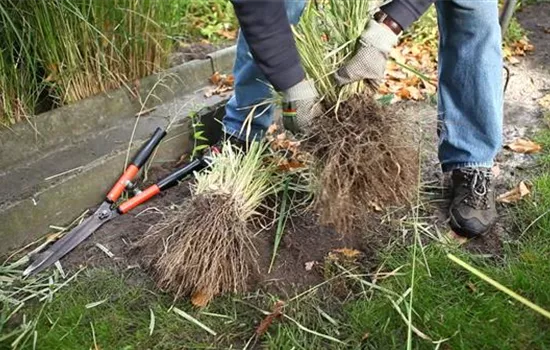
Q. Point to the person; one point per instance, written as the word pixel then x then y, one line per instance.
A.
pixel 470 91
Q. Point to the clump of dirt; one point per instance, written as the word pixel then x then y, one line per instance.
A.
pixel 203 249
pixel 368 160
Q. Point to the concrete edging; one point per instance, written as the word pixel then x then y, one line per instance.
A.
pixel 92 136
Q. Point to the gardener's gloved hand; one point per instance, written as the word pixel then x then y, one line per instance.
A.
pixel 300 106
pixel 369 62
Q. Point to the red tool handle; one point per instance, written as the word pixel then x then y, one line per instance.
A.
pixel 138 199
pixel 164 184
pixel 133 169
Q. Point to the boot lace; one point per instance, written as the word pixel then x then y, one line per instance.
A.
pixel 478 184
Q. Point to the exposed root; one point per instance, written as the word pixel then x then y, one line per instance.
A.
pixel 368 159
pixel 204 249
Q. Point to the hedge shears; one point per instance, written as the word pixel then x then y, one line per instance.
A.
pixel 110 208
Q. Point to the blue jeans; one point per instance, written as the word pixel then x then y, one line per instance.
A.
pixel 249 111
pixel 470 94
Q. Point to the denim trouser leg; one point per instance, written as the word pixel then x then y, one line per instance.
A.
pixel 470 83
pixel 252 90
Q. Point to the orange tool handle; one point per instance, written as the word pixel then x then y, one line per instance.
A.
pixel 139 199
pixel 132 170
pixel 120 185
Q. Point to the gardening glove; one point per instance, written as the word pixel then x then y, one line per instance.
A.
pixel 369 62
pixel 300 107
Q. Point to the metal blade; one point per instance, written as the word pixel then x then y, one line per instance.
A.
pixel 68 242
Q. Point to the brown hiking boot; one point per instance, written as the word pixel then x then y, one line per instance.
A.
pixel 473 210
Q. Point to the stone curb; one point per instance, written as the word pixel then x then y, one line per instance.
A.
pixel 26 217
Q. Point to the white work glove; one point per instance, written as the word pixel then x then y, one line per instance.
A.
pixel 369 62
pixel 300 107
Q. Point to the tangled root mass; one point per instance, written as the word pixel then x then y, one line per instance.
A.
pixel 203 248
pixel 368 159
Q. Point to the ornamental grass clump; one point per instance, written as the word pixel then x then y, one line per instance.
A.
pixel 366 152
pixel 206 247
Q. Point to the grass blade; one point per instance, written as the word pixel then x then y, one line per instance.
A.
pixel 499 286
pixel 151 322
pixel 193 320
pixel 283 215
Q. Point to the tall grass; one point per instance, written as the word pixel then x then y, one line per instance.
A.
pixel 56 52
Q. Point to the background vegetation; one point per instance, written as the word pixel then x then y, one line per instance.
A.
pixel 59 51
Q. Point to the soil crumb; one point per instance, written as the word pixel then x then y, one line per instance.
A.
pixel 368 158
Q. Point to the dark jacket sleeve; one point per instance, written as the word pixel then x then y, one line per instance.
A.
pixel 405 12
pixel 267 30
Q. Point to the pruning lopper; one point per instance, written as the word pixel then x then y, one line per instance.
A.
pixel 109 209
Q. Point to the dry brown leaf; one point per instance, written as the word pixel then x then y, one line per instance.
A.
pixel 452 236
pixel 545 102
pixel 200 299
pixel 523 146
pixel 471 286
pixel 230 80
pixel 277 312
pixel 404 94
pixel 515 195
pixel 348 253
pixel 512 60
pixel 216 78
pixel 272 129
pixel 309 265
pixel 228 34
pixel 415 93
pixel 375 206
pixel 496 170
pixel 53 237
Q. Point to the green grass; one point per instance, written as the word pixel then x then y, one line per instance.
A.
pixel 123 320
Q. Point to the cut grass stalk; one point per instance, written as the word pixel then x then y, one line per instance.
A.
pixel 193 320
pixel 499 286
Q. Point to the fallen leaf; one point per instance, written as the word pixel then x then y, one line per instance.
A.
pixel 523 146
pixel 496 170
pixel 515 195
pixel 288 165
pixel 228 34
pixel 216 78
pixel 471 286
pixel 512 60
pixel 414 93
pixel 452 236
pixel 200 299
pixel 403 93
pixel 272 129
pixel 545 102
pixel 348 253
pixel 277 312
pixel 375 206
pixel 309 265
pixel 229 80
